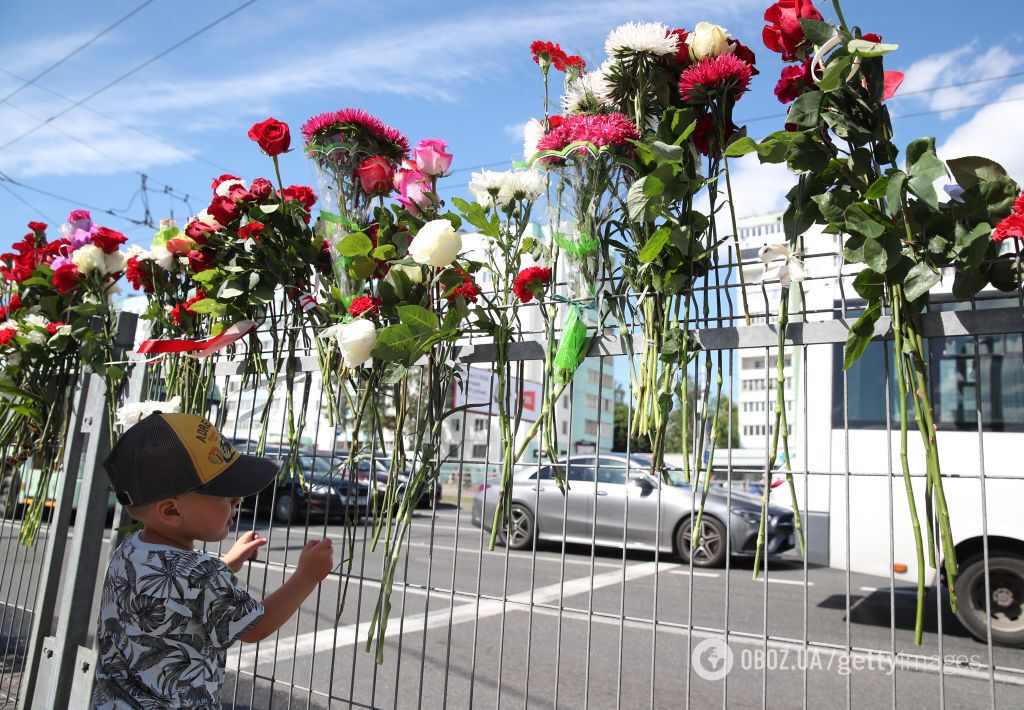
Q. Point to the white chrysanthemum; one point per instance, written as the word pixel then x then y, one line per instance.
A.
pixel 10 325
pixel 37 336
pixel 525 185
pixel 533 131
pixel 133 413
pixel 134 250
pixel 485 186
pixel 37 321
pixel 225 187
pixel 163 258
pixel 588 92
pixel 89 258
pixel 641 38
pixel 114 262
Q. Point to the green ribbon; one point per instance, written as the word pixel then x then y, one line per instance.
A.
pixel 572 346
pixel 583 245
pixel 346 222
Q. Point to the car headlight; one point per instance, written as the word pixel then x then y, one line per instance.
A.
pixel 321 489
pixel 751 516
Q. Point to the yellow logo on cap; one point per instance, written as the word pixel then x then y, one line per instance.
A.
pixel 210 452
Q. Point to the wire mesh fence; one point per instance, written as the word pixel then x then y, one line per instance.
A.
pixel 596 596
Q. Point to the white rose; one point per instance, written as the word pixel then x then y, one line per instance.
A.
pixel 206 218
pixel 223 189
pixel 355 339
pixel 89 258
pixel 413 273
pixel 114 262
pixel 436 244
pixel 163 258
pixel 62 330
pixel 708 40
pixel 37 337
pixel 133 413
pixel 37 320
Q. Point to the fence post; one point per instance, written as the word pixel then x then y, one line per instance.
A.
pixel 86 542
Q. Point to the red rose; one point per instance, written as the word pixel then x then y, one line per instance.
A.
pixel 223 178
pixel 529 281
pixel 51 328
pixel 200 260
pixel 179 311
pixel 198 231
pixel 872 37
pixel 237 193
pixel 15 304
pixel 224 210
pixel 300 193
pixel 37 226
pixel 364 304
pixel 682 49
pixel 742 51
pixel 251 231
pixel 108 240
pixel 7 335
pixel 180 246
pixel 784 34
pixel 65 278
pixel 261 189
pixel 375 175
pixel 272 135
pixel 794 81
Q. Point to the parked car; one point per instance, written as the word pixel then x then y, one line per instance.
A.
pixel 316 488
pixel 430 496
pixel 593 509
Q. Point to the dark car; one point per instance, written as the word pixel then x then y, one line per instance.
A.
pixel 316 489
pixel 594 510
pixel 430 496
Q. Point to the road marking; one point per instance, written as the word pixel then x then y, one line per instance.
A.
pixel 337 637
pixel 695 573
pixel 794 582
pixel 898 590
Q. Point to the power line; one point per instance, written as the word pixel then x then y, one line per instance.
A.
pixel 79 203
pixel 130 72
pixel 25 202
pixel 44 72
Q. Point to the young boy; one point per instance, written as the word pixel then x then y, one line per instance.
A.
pixel 169 613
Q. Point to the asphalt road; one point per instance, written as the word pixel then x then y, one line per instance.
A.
pixel 577 628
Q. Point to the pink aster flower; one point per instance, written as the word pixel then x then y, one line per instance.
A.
pixel 723 76
pixel 360 120
pixel 612 129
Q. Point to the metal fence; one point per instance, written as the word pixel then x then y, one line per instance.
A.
pixel 572 619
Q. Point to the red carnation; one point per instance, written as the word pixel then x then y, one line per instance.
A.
pixel 546 54
pixel 137 275
pixel 1012 226
pixel 65 278
pixel 724 76
pixel 252 231
pixel 574 65
pixel 531 282
pixel 15 304
pixel 872 37
pixel 51 328
pixel 272 135
pixel 223 178
pixel 368 305
pixel 375 175
pixel 107 239
pixel 200 260
pixel 1018 204
pixel 178 312
pixel 794 81
pixel 468 290
pixel 224 210
pixel 261 189
pixel 7 335
pixel 37 226
pixel 784 33
pixel 705 136
pixel 613 129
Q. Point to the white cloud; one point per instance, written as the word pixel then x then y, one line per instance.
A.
pixel 955 66
pixel 758 189
pixel 514 130
pixel 995 132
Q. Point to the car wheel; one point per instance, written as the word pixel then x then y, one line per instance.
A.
pixel 520 530
pixel 285 508
pixel 711 543
pixel 1005 598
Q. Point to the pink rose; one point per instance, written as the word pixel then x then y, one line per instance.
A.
pixel 431 158
pixel 80 219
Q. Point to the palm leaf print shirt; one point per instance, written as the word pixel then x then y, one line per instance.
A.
pixel 166 620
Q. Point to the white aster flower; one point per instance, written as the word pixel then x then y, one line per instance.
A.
pixel 589 93
pixel 89 258
pixel 641 38
pixel 533 131
pixel 37 321
pixel 10 325
pixel 225 187
pixel 791 270
pixel 131 414
pixel 525 185
pixel 114 262
pixel 485 186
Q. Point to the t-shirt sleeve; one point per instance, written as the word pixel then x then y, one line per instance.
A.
pixel 229 610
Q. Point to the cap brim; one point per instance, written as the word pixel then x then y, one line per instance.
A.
pixel 245 477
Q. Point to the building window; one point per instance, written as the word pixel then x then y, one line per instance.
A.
pixel 479 451
pixel 591 427
pixel 607 404
pixel 480 424
pixel 593 376
pixel 592 401
pixel 565 428
pixel 456 424
pixel 453 450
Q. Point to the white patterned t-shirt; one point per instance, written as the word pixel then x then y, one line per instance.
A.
pixel 166 621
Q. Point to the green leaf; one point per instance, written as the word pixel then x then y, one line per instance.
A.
pixel 115 373
pixel 637 200
pixel 355 244
pixel 385 252
pixel 881 255
pixel 806 110
pixel 860 334
pixel 396 343
pixel 666 152
pixel 919 281
pixel 807 154
pixel 894 193
pixel 817 32
pixel 869 285
pixel 654 245
pixel 229 292
pixel 864 48
pixel 362 267
pixel 741 147
pixel 209 306
pixel 864 218
pixel 972 169
pixel 393 373
pixel 877 189
pixel 966 284
pixel 205 278
pixel 836 74
pixel 421 321
pixel 924 168
pixel 833 205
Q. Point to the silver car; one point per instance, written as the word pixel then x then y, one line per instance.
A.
pixel 610 492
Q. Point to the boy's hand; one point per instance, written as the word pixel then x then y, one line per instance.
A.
pixel 245 548
pixel 316 559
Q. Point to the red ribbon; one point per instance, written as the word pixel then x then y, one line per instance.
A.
pixel 198 348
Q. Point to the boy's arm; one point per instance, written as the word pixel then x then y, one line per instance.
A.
pixel 315 563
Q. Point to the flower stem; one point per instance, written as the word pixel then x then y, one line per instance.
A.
pixel 736 239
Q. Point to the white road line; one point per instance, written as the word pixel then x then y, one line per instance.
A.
pixel 794 582
pixel 695 573
pixel 898 590
pixel 334 638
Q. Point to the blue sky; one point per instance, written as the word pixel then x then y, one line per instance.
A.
pixel 459 71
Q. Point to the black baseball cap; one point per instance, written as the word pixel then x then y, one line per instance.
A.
pixel 167 454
